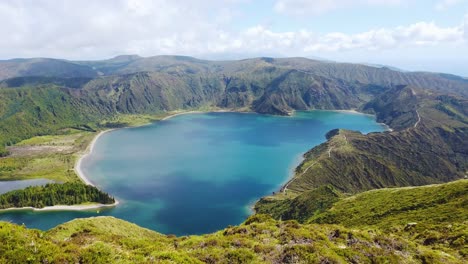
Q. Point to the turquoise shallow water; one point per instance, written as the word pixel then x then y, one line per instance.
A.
pixel 198 173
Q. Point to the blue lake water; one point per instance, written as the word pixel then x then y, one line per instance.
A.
pixel 6 186
pixel 198 173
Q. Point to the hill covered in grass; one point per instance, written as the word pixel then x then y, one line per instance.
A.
pixel 402 225
pixel 433 215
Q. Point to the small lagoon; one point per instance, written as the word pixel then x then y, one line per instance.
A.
pixel 6 186
pixel 198 173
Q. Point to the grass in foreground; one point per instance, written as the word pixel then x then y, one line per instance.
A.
pixel 402 225
pixel 433 215
pixel 259 240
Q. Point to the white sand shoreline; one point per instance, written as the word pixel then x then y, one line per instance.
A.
pixel 62 207
pixel 200 112
pixel 88 151
pixel 90 148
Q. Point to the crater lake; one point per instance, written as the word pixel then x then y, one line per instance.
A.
pixel 198 173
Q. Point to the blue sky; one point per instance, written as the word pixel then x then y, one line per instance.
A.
pixel 429 35
pixel 350 16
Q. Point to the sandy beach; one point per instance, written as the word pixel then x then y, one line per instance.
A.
pixel 62 207
pixel 352 111
pixel 90 148
pixel 199 112
pixel 181 113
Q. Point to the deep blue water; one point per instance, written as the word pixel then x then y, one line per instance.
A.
pixel 198 173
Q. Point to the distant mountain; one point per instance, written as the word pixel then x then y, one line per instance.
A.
pixel 127 64
pixel 43 67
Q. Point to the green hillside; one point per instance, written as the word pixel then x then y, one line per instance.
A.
pixel 403 225
pixel 426 147
pixel 51 109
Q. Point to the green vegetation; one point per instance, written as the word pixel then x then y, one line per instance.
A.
pixel 52 157
pixel 48 120
pixel 431 204
pixel 149 88
pixel 433 151
pixel 433 215
pixel 259 240
pixel 54 194
pixel 402 225
pixel 300 208
pixel 34 111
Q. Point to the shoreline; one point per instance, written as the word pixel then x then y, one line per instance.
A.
pixel 86 153
pixel 202 112
pixel 61 207
pixel 353 111
pixel 181 113
pixel 90 148
pixel 79 172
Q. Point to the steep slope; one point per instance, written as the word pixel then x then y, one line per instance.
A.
pixel 40 110
pixel 41 105
pixel 64 82
pixel 383 76
pixel 296 90
pixel 426 148
pixel 152 92
pixel 127 64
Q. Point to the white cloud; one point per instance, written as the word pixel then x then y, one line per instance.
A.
pixel 465 27
pixel 88 28
pixel 305 7
pixel 105 28
pixel 442 5
pixel 303 42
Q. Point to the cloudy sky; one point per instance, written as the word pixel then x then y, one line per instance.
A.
pixel 411 34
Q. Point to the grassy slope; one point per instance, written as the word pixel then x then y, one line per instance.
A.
pixel 410 225
pixel 433 215
pixel 384 208
pixel 259 240
pixel 301 207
